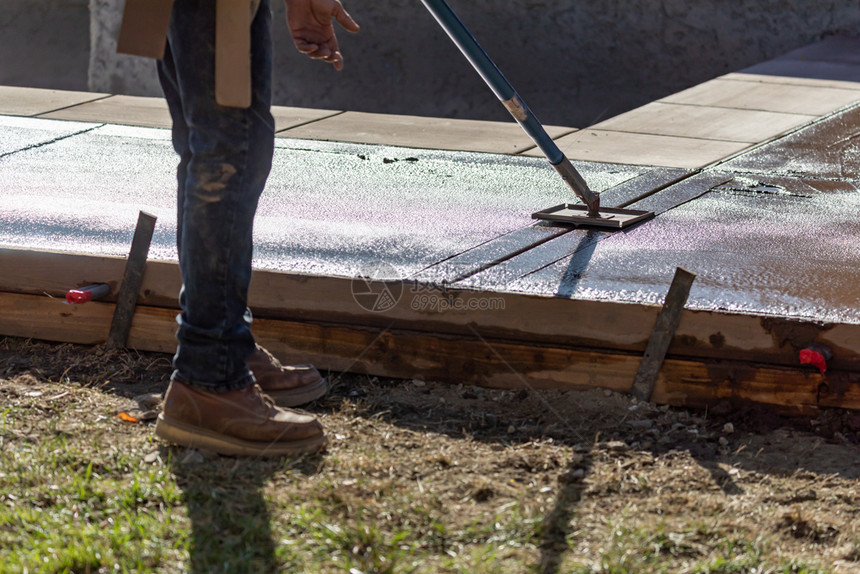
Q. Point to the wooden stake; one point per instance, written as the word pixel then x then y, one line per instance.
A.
pixel 129 289
pixel 661 337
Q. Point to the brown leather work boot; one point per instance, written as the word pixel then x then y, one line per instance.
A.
pixel 288 385
pixel 239 423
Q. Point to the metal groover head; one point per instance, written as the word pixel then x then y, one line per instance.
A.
pixel 577 184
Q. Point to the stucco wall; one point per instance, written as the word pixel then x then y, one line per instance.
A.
pixel 44 43
pixel 574 62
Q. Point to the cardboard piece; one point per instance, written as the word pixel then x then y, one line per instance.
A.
pixel 233 53
pixel 143 31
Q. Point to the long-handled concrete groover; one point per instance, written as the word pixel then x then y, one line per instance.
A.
pixel 568 213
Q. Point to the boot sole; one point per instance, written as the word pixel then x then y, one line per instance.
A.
pixel 182 434
pixel 299 396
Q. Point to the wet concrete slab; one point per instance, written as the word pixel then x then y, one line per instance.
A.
pixel 82 193
pixel 582 242
pixel 528 241
pixel 779 254
pixel 828 149
pixel 329 208
pixel 772 231
pixel 17 133
pixel 407 208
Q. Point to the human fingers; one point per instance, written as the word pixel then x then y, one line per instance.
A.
pixel 321 52
pixel 343 18
pixel 306 47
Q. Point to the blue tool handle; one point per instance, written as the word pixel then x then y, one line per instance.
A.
pixel 494 78
pixel 503 89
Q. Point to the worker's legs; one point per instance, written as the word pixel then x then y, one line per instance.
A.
pixel 225 158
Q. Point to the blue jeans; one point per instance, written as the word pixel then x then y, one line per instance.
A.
pixel 225 155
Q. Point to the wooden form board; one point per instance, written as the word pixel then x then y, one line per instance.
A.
pixel 512 317
pixel 473 358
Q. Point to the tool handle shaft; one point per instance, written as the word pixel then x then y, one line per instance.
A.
pixel 494 78
pixel 503 89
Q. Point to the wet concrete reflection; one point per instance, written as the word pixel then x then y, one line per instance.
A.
pixel 329 208
pixel 786 255
pixel 771 232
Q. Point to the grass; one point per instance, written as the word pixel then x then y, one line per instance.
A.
pixel 82 491
pixel 659 550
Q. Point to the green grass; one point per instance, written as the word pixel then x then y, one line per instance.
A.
pixel 67 510
pixel 79 504
pixel 84 501
pixel 81 493
pixel 696 549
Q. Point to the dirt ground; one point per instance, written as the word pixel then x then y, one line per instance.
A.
pixel 610 484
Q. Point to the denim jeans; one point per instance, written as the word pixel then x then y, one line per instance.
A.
pixel 225 155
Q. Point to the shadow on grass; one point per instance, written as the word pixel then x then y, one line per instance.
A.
pixel 230 527
pixel 556 526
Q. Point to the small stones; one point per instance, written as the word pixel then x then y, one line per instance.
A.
pixel 148 401
pixel 147 415
pixel 728 428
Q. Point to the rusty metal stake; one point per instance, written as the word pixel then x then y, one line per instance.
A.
pixel 132 279
pixel 662 335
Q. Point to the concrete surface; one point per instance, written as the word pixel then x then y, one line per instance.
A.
pixel 329 208
pixel 575 63
pixel 771 232
pixel 734 93
pixel 757 251
pixel 704 122
pixel 769 225
pixel 430 133
pixel 18 101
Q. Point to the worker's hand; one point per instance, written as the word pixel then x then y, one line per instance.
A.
pixel 310 23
